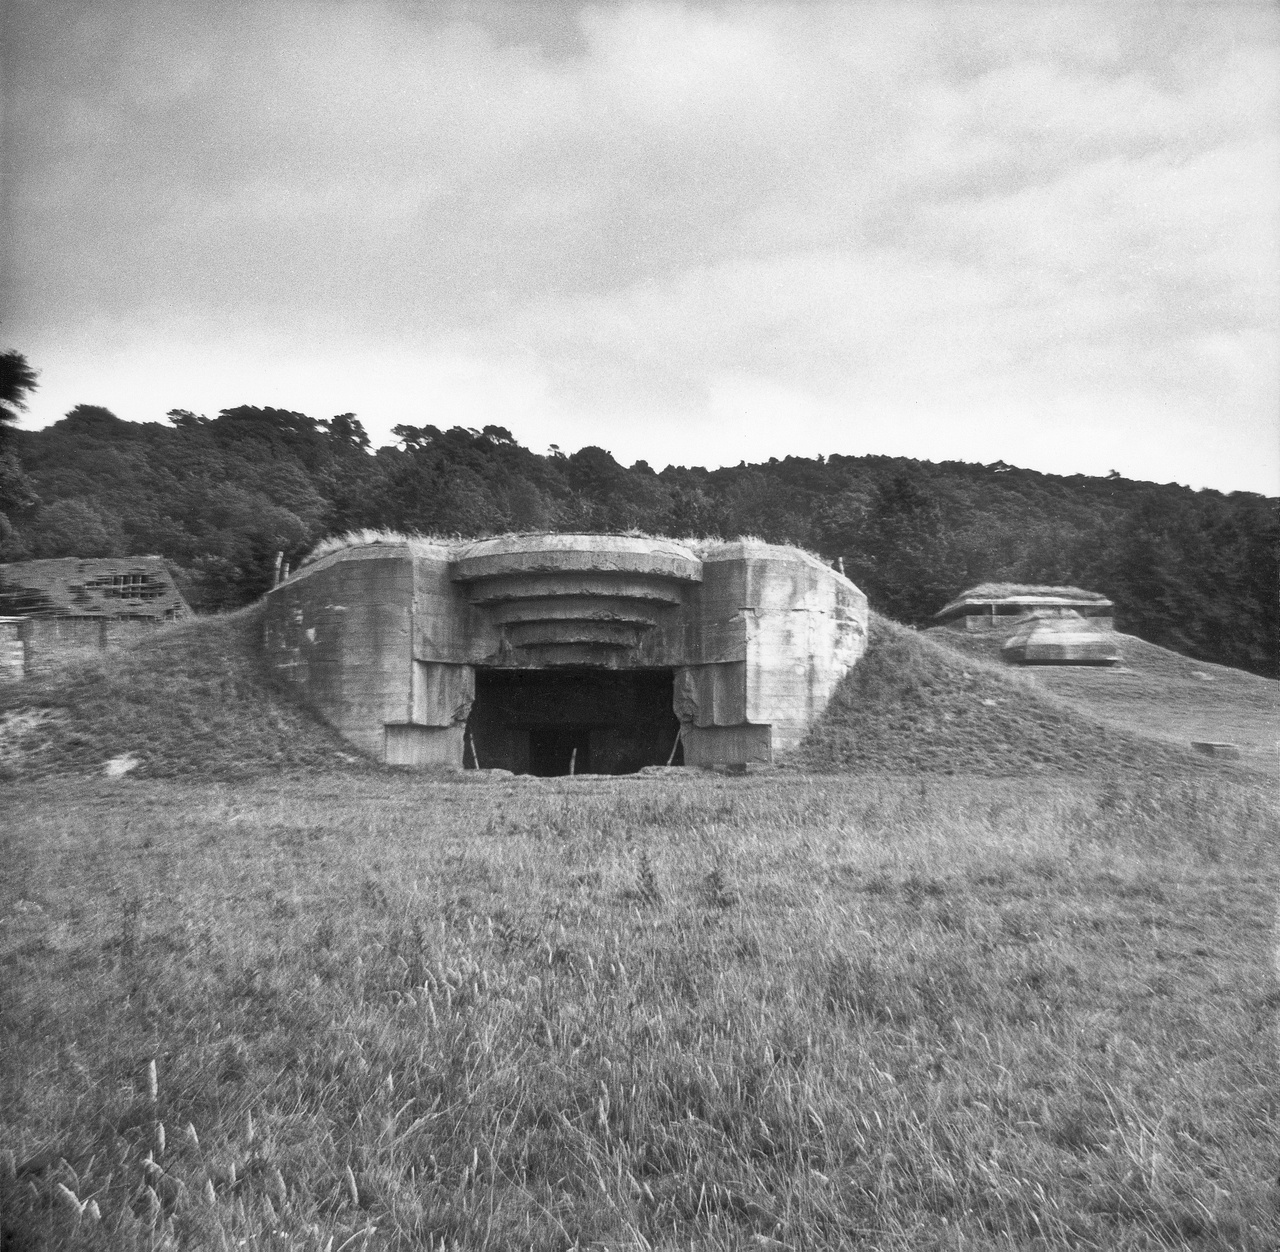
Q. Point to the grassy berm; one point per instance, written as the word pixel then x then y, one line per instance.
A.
pixel 1153 692
pixel 271 996
pixel 915 702
pixel 193 699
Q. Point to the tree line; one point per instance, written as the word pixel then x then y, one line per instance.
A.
pixel 220 497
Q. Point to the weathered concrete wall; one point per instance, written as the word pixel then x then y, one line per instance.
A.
pixel 1010 622
pixel 12 650
pixel 421 747
pixel 797 626
pixel 441 629
pixel 384 640
pixel 49 642
pixel 342 635
pixel 977 610
pixel 727 745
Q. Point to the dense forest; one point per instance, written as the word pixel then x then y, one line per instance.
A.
pixel 220 497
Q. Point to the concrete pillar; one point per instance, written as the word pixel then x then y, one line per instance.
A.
pixel 726 745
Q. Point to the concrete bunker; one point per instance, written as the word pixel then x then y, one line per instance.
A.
pixel 1041 625
pixel 1007 606
pixel 535 652
pixel 51 609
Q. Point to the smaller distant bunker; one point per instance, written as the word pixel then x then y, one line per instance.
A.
pixel 1060 639
pixel 555 654
pixel 1045 625
pixel 1006 606
pixel 49 609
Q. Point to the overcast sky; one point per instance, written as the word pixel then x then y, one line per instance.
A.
pixel 690 233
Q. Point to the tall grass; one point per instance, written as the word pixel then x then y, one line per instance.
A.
pixel 722 1013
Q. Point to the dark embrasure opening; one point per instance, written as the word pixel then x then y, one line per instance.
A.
pixel 588 721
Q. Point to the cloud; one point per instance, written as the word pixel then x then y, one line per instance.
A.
pixel 620 223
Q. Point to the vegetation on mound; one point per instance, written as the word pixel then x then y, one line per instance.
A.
pixel 914 704
pixel 1000 591
pixel 194 698
pixel 1136 653
pixel 768 1012
pixel 699 546
pixel 1155 692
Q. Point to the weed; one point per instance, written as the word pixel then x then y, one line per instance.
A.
pixel 647 888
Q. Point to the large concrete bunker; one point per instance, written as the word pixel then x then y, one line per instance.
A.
pixel 551 654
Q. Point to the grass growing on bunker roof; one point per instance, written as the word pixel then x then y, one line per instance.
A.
pixel 195 698
pixel 699 545
pixel 1000 591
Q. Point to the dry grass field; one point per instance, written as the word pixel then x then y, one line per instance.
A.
pixel 975 971
pixel 788 1010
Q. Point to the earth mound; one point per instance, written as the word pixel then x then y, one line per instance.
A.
pixel 915 704
pixel 192 699
pixel 1155 692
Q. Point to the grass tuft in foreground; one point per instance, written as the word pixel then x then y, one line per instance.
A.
pixel 722 1013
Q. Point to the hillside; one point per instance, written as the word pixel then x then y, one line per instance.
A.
pixel 1155 693
pixel 192 700
pixel 915 703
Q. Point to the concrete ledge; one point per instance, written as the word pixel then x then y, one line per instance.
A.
pixel 726 745
pixel 575 609
pixel 591 584
pixel 420 746
pixel 1228 751
pixel 555 554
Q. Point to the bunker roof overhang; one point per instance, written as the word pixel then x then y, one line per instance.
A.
pixel 555 554
pixel 560 600
pixel 966 604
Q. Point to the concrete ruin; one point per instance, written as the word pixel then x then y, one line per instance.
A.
pixel 50 609
pixel 1060 638
pixel 1007 606
pixel 551 654
pixel 1043 625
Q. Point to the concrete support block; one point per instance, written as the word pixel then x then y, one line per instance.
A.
pixel 440 627
pixel 803 627
pixel 1228 751
pixel 442 694
pixel 711 695
pixel 342 636
pixel 727 745
pixel 422 746
pixel 12 650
